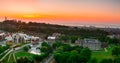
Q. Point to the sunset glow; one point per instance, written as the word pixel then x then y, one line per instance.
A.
pixel 82 12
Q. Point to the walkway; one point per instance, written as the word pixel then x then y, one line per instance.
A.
pixel 12 51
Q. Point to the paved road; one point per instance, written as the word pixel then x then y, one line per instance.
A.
pixel 49 59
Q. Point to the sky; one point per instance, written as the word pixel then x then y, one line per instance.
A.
pixel 67 12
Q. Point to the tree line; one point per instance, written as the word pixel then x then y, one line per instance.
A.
pixel 48 29
pixel 66 53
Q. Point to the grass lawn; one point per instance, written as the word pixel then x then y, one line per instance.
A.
pixel 6 59
pixel 18 54
pixel 12 59
pixel 23 53
pixel 99 55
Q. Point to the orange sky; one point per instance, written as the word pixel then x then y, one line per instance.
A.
pixel 63 11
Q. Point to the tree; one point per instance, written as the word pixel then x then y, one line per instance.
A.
pixel 116 51
pixel 57 44
pixel 26 48
pixel 72 57
pixel 3 48
pixel 60 48
pixel 93 60
pixel 73 39
pixel 116 41
pixel 86 52
pixel 44 49
pixel 67 47
pixel 106 61
pixel 64 38
pixel 44 44
pixel 81 58
pixel 40 57
pixel 65 55
pixel 58 57
pixel 77 48
pixel 72 54
pixel 117 59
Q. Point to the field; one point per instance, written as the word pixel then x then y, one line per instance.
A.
pixel 23 54
pixel 99 55
pixel 17 55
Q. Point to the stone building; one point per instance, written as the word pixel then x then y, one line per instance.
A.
pixel 35 40
pixel 2 36
pixel 20 37
pixel 92 44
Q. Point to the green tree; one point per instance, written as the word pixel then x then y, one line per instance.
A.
pixel 77 48
pixel 26 48
pixel 116 51
pixel 44 49
pixel 73 56
pixel 81 58
pixel 86 52
pixel 117 59
pixel 65 55
pixel 40 57
pixel 58 57
pixel 107 61
pixel 93 60
pixel 57 44
pixel 73 39
pixel 44 44
pixel 64 38
pixel 67 47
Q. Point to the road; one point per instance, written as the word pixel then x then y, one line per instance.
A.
pixel 49 59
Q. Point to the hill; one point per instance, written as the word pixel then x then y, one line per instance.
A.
pixel 48 29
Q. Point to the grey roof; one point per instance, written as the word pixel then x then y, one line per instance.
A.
pixel 91 41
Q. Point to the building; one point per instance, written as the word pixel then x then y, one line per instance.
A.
pixel 35 40
pixel 79 42
pixel 51 38
pixel 2 36
pixel 92 44
pixel 20 37
pixel 111 36
pixel 9 38
pixel 57 35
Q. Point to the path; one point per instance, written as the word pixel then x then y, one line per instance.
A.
pixel 6 55
pixel 49 59
pixel 12 51
pixel 105 49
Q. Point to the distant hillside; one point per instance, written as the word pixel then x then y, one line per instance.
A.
pixel 48 29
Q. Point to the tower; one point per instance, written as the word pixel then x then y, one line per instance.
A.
pixel 5 18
